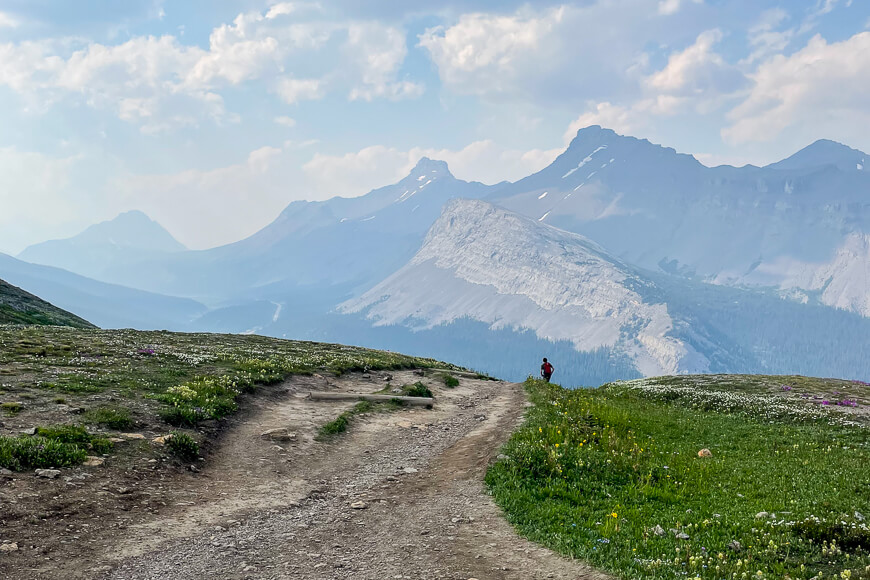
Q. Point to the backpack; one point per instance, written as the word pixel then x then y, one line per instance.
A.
pixel 548 368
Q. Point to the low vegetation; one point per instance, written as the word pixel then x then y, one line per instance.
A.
pixel 418 389
pixel 696 477
pixel 183 446
pixel 120 379
pixel 450 381
pixel 117 418
pixel 25 452
pixel 341 423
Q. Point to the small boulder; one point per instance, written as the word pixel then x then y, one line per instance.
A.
pixel 359 505
pixel 31 431
pixel 162 440
pixel 419 372
pixel 409 470
pixel 682 536
pixel 735 546
pixel 133 436
pixel 47 473
pixel 11 547
pixel 705 453
pixel 659 531
pixel 761 515
pixel 94 461
pixel 280 434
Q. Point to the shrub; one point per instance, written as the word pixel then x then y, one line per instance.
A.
pixel 73 434
pixel 183 446
pixel 451 381
pixel 24 452
pixel 848 536
pixel 76 435
pixel 12 408
pixel 111 417
pixel 418 389
pixel 336 426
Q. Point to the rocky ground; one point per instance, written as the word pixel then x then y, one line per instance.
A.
pixel 399 495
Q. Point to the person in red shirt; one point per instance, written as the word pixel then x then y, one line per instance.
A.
pixel 547 370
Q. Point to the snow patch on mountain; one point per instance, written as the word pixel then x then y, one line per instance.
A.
pixel 482 262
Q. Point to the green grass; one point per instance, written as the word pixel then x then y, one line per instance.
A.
pixel 450 381
pixel 183 446
pixel 112 417
pixel 11 408
pixel 341 423
pixel 183 379
pixel 592 474
pixel 24 452
pixel 76 435
pixel 418 389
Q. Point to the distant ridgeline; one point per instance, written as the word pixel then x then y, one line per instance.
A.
pixel 20 307
pixel 621 258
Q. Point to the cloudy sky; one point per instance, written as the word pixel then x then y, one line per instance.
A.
pixel 212 115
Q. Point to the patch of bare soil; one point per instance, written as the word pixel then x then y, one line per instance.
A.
pixel 399 495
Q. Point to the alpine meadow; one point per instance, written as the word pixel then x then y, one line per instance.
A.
pixel 443 290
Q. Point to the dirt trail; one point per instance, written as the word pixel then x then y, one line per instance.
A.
pixel 400 495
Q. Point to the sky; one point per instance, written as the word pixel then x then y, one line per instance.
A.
pixel 211 116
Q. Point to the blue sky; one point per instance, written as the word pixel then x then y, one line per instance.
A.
pixel 211 116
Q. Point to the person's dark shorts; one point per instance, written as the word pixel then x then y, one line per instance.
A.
pixel 547 377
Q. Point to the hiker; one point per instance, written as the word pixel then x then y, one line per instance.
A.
pixel 547 370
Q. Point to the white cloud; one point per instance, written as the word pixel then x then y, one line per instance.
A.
pixel 7 21
pixel 292 91
pixel 378 52
pixel 488 53
pixel 286 121
pixel 359 172
pixel 161 83
pixel 765 39
pixel 668 7
pixel 822 89
pixel 235 53
pixel 698 71
pixel 281 9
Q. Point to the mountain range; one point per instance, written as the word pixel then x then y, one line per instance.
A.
pixel 621 251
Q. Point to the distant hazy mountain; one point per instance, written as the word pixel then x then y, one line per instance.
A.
pixel 484 264
pixel 20 307
pixel 102 248
pixel 334 246
pixel 785 225
pixel 494 266
pixel 106 305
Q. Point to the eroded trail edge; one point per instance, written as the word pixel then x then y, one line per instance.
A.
pixel 400 495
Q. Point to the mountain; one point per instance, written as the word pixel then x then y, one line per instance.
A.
pixel 483 264
pixel 487 264
pixel 20 307
pixel 107 305
pixel 825 153
pixel 331 247
pixel 662 210
pixel 96 252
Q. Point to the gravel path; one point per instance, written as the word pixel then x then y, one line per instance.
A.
pixel 400 495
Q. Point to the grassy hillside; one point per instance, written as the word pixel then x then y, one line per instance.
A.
pixel 20 307
pixel 696 477
pixel 59 380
